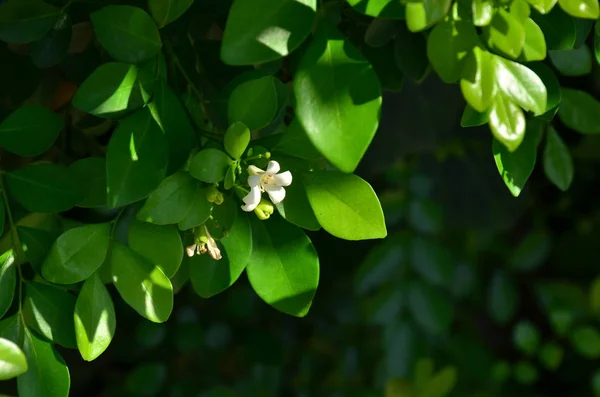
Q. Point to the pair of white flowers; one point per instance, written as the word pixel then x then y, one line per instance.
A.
pixel 270 181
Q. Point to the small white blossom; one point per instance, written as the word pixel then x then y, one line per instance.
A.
pixel 266 181
pixel 200 246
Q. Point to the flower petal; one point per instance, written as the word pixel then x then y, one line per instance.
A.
pixel 213 249
pixel 254 170
pixel 283 179
pixel 273 167
pixel 276 193
pixel 190 250
pixel 252 199
pixel 249 207
pixel 254 180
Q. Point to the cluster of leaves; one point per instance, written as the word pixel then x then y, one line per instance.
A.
pixel 172 172
pixel 128 130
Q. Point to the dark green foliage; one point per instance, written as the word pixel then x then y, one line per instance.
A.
pixel 184 160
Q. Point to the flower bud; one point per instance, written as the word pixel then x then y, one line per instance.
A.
pixel 213 195
pixel 264 209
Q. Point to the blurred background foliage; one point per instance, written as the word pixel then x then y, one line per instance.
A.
pixel 474 293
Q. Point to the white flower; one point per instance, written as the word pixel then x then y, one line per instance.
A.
pixel 200 245
pixel 266 181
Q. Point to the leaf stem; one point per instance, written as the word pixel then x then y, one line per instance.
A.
pixel 115 222
pixel 15 243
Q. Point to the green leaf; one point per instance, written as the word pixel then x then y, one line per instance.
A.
pixel 595 296
pixel 520 10
pixel 410 54
pixel 534 47
pixel 522 85
pixel 390 9
pixel 48 375
pixel 586 341
pixel 422 14
pixel 209 276
pixel 430 308
pixel 12 360
pixel 505 34
pixel 526 337
pixel 166 11
pixel 53 47
pixel 30 130
pixel 44 187
pixel 258 31
pixel 223 217
pixel 171 201
pixel 503 298
pixel 473 118
pixel 11 328
pixel 210 165
pixel 295 142
pixel 597 41
pixel 296 208
pixel 198 212
pixel 581 8
pixel 525 373
pixel 253 103
pixel 127 33
pixel 345 205
pixel 552 86
pixel 431 260
pixel 441 384
pixel 8 281
pixel 284 267
pixel 236 140
pixel 507 122
pixel 77 254
pixel 558 163
pixel 49 311
pixel 381 264
pixel 543 6
pixel 483 11
pixel 36 243
pixel 113 89
pixel 558 27
pixel 516 167
pixel 396 387
pixel 91 176
pixel 575 62
pixel 551 356
pixel 425 216
pixel 142 285
pixel 531 252
pixel 388 72
pixel 2 213
pixel 230 177
pixel 422 373
pixel 447 45
pixel 26 20
pixel 136 159
pixel 336 90
pixel 478 79
pixel 380 32
pixel 95 319
pixel 169 113
pixel 578 111
pixel 160 245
